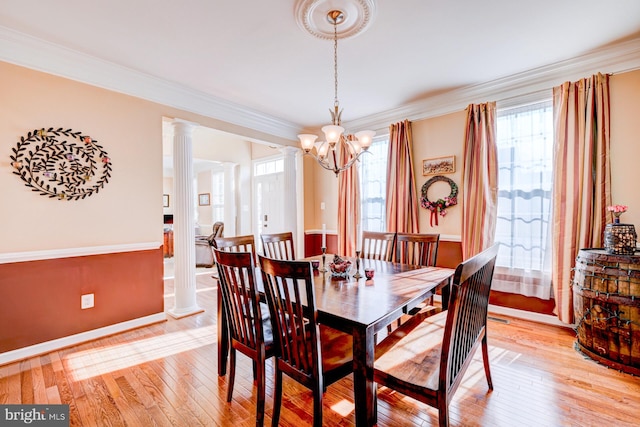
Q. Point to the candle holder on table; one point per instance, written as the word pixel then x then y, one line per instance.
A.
pixel 324 259
pixel 357 275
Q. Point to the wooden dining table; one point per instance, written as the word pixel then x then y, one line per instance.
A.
pixel 362 308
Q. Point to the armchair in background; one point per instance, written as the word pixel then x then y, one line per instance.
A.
pixel 204 253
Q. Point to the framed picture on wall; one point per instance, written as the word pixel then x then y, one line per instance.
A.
pixel 203 199
pixel 439 165
pixel 165 200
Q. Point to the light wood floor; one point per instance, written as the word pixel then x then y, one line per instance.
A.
pixel 166 374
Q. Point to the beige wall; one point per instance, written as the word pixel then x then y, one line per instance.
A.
pixel 129 208
pixel 439 137
pixel 443 136
pixel 129 130
pixel 320 185
pixel 625 143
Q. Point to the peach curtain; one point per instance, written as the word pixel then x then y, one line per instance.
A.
pixel 348 206
pixel 480 179
pixel 582 179
pixel 402 196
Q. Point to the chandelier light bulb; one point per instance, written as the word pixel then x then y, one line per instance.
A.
pixel 365 138
pixel 332 133
pixel 307 141
pixel 323 149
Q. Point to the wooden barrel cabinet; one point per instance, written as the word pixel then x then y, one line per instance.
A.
pixel 606 301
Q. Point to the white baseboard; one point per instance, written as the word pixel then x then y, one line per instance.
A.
pixel 522 314
pixel 528 315
pixel 57 344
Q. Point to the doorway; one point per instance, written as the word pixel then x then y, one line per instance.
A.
pixel 269 193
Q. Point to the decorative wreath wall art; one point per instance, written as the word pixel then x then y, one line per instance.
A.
pixel 67 169
pixel 439 206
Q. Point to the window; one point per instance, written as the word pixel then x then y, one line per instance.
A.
pixel 525 163
pixel 373 185
pixel 269 166
pixel 217 196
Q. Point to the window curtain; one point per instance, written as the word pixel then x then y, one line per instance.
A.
pixel 480 179
pixel 402 197
pixel 348 206
pixel 582 179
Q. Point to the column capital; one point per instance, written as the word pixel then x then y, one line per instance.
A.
pixel 183 127
pixel 289 150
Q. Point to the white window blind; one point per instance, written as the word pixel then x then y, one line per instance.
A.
pixel 525 157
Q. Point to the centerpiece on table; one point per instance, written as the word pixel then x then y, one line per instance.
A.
pixel 339 267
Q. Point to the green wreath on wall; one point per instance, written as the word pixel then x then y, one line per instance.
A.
pixel 439 207
pixel 66 169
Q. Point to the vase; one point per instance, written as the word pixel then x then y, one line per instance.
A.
pixel 616 217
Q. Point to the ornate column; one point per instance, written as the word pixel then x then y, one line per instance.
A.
pixel 291 192
pixel 184 221
pixel 230 199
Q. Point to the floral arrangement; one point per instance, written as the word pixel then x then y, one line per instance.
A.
pixel 439 206
pixel 617 210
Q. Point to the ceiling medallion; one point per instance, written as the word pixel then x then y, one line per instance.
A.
pixel 311 16
pixel 66 169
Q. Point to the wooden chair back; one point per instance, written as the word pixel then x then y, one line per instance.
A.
pixel 290 295
pixel 466 324
pixel 248 324
pixel 417 249
pixel 236 244
pixel 278 246
pixel 312 354
pixel 378 245
pixel 426 358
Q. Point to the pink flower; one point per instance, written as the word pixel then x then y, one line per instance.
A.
pixel 617 208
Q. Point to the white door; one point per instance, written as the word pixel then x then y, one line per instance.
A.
pixel 269 203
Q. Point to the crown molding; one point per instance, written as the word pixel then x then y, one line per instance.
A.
pixel 31 52
pixel 530 85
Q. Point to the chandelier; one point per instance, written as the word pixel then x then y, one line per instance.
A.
pixel 326 152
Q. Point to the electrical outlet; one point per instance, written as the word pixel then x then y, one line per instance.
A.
pixel 86 301
pixel 322 206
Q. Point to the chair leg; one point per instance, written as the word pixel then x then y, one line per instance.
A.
pixel 443 414
pixel 277 397
pixel 232 372
pixel 485 360
pixel 317 405
pixel 261 393
pixel 255 371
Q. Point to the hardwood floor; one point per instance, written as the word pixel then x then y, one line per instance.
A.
pixel 166 375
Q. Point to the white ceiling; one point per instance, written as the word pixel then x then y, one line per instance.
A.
pixel 248 61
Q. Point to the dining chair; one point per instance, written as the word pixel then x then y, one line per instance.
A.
pixel 236 244
pixel 378 245
pixel 278 246
pixel 426 358
pixel 249 329
pixel 417 249
pixel 421 250
pixel 314 355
